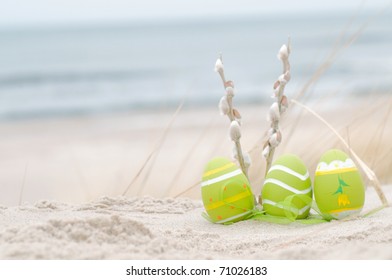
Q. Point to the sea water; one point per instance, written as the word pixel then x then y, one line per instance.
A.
pixel 67 70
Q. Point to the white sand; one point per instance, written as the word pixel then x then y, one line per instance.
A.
pixel 148 228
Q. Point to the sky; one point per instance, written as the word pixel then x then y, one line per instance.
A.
pixel 38 12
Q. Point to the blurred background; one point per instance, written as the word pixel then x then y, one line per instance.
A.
pixel 82 57
pixel 96 60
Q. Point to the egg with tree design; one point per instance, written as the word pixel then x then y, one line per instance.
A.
pixel 338 187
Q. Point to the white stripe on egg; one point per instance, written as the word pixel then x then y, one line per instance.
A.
pixel 287 187
pixel 292 209
pixel 221 178
pixel 290 171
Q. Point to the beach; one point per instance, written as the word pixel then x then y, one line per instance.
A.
pixel 107 126
pixel 152 228
pixel 65 185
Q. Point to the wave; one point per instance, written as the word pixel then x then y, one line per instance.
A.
pixel 71 77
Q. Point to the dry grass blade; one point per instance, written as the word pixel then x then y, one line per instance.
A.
pixel 188 189
pixel 189 155
pixel 156 147
pixel 23 184
pixel 381 130
pixel 79 173
pixel 369 173
pixel 329 61
pixel 339 46
pixel 150 168
pixel 214 149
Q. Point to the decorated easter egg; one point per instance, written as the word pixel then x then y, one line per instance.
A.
pixel 226 192
pixel 338 187
pixel 287 188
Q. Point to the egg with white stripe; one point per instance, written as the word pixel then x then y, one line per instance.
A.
pixel 338 187
pixel 226 192
pixel 288 177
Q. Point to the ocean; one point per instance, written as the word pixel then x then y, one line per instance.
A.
pixel 77 70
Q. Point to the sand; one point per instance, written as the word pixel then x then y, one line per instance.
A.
pixel 62 181
pixel 151 228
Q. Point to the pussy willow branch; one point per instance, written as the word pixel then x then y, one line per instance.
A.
pixel 279 86
pixel 226 107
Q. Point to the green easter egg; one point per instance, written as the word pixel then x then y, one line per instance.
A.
pixel 287 178
pixel 226 192
pixel 338 187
